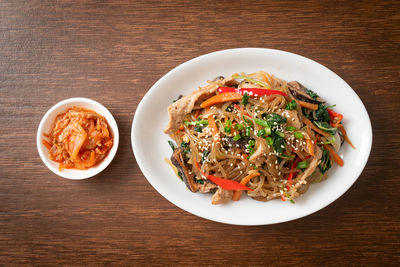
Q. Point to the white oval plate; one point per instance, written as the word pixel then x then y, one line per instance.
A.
pixel 150 145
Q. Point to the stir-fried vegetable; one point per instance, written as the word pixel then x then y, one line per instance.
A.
pixel 291 105
pixel 213 128
pixel 341 128
pixel 313 127
pixel 198 122
pixel 251 91
pixel 223 183
pixel 255 81
pixel 307 105
pixel 237 194
pixel 325 161
pixel 334 155
pixel 303 164
pixel 335 117
pixel 325 127
pixel 221 98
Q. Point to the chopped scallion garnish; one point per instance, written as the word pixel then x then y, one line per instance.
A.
pixel 303 164
pixel 298 135
pixel 237 137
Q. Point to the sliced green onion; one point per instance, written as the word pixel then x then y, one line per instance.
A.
pixel 328 142
pixel 281 134
pixel 269 140
pixel 239 127
pixel 252 143
pixel 248 131
pixel 286 156
pixel 261 132
pixel 298 135
pixel 267 130
pixel 237 137
pixel 227 127
pixel 200 122
pixel 249 122
pixel 303 164
pixel 291 128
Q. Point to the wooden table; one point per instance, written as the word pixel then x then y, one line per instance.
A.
pixel 113 52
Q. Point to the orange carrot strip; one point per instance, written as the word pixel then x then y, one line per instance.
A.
pixel 307 105
pixel 213 128
pixel 315 128
pixel 341 128
pixel 221 98
pixel 310 147
pixel 238 193
pixel 334 155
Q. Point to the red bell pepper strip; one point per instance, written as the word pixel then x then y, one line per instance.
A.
pixel 251 91
pixel 333 115
pixel 290 176
pixel 223 183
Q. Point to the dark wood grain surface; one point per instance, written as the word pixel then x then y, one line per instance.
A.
pixel 113 52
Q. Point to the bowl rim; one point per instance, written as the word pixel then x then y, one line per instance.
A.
pixel 75 174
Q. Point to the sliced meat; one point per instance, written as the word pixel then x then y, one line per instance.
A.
pixel 207 187
pixel 258 157
pixel 221 196
pixel 292 117
pixel 178 160
pixel 313 163
pixel 299 92
pixel 178 110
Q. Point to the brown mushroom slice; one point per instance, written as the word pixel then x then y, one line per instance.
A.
pixel 299 92
pixel 188 177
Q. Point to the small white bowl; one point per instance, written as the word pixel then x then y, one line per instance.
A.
pixel 47 123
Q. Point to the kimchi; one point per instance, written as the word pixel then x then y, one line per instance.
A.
pixel 80 139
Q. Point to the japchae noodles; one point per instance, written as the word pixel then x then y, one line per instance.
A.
pixel 254 133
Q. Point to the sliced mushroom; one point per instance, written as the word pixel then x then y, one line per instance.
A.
pixel 241 143
pixel 178 160
pixel 207 186
pixel 299 92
